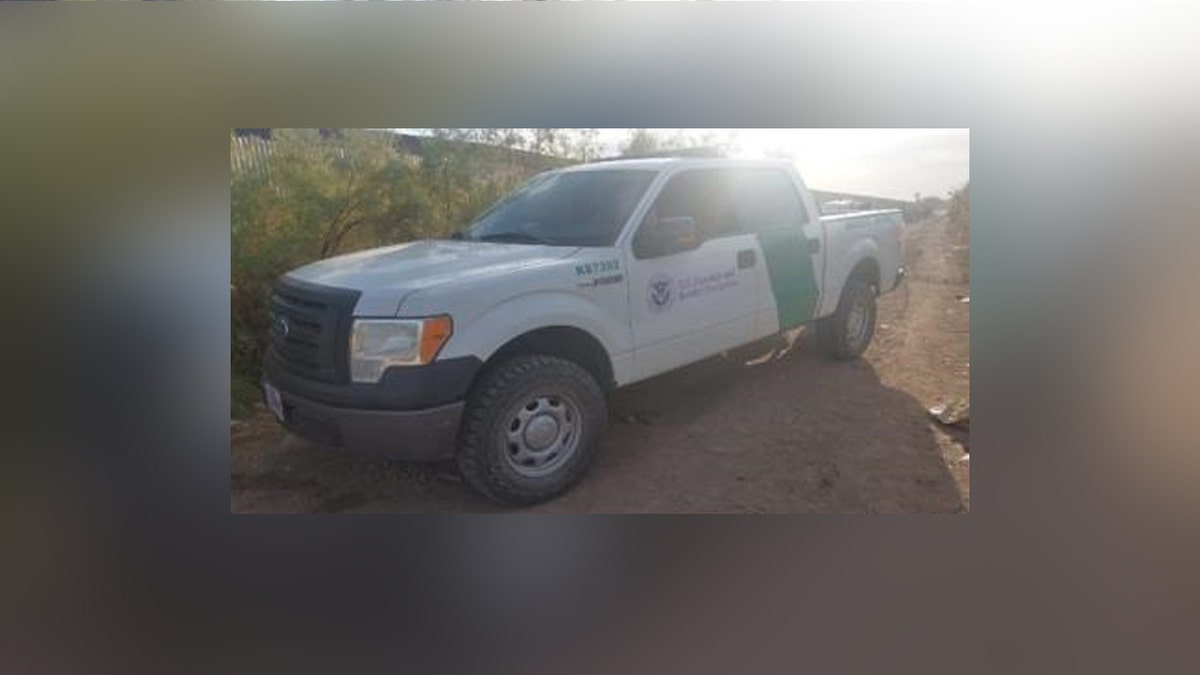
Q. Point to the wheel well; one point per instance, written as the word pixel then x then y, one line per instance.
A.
pixel 867 269
pixel 565 342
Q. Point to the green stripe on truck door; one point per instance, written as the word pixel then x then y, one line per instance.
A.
pixel 793 281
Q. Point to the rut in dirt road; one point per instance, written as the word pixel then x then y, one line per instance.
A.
pixel 924 343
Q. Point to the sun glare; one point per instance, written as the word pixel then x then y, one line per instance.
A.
pixel 885 162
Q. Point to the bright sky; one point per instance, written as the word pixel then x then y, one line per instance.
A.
pixel 881 162
pixel 894 163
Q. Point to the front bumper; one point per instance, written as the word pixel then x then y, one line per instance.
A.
pixel 411 413
pixel 416 435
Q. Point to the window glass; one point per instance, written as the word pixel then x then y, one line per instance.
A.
pixel 767 199
pixel 573 208
pixel 703 195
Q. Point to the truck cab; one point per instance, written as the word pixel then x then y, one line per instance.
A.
pixel 495 348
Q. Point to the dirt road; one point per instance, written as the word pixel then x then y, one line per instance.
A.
pixel 793 434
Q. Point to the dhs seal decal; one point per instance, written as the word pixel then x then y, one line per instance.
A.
pixel 660 292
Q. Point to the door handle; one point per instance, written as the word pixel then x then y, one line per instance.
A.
pixel 746 258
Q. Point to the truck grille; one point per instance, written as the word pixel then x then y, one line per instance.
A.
pixel 310 329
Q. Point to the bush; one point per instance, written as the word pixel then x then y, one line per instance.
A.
pixel 307 194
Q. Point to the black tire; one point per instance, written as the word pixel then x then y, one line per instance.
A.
pixel 837 338
pixel 487 456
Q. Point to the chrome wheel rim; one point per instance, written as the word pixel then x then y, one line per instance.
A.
pixel 541 435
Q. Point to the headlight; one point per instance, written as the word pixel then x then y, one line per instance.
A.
pixel 378 344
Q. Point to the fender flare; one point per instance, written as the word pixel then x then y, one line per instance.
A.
pixel 862 250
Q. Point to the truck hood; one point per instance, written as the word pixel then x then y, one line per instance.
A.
pixel 385 276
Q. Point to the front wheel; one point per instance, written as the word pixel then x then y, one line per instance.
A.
pixel 847 333
pixel 530 430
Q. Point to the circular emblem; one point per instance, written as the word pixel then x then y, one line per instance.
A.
pixel 281 327
pixel 660 292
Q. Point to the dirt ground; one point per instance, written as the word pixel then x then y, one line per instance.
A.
pixel 793 433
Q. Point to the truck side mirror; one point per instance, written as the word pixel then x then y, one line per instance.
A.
pixel 665 236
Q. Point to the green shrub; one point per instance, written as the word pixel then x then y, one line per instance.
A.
pixel 304 195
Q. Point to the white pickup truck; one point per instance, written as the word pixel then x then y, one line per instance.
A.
pixel 496 348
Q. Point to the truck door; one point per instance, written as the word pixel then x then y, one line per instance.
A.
pixel 770 206
pixel 691 304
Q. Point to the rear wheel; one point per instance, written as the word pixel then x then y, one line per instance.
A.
pixel 530 430
pixel 847 333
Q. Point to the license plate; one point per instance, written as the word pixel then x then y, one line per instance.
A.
pixel 274 401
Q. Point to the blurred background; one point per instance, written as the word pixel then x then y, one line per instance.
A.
pixel 119 551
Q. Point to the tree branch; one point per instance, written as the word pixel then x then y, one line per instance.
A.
pixel 336 241
pixel 328 243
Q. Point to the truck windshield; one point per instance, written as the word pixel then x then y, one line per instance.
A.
pixel 573 208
